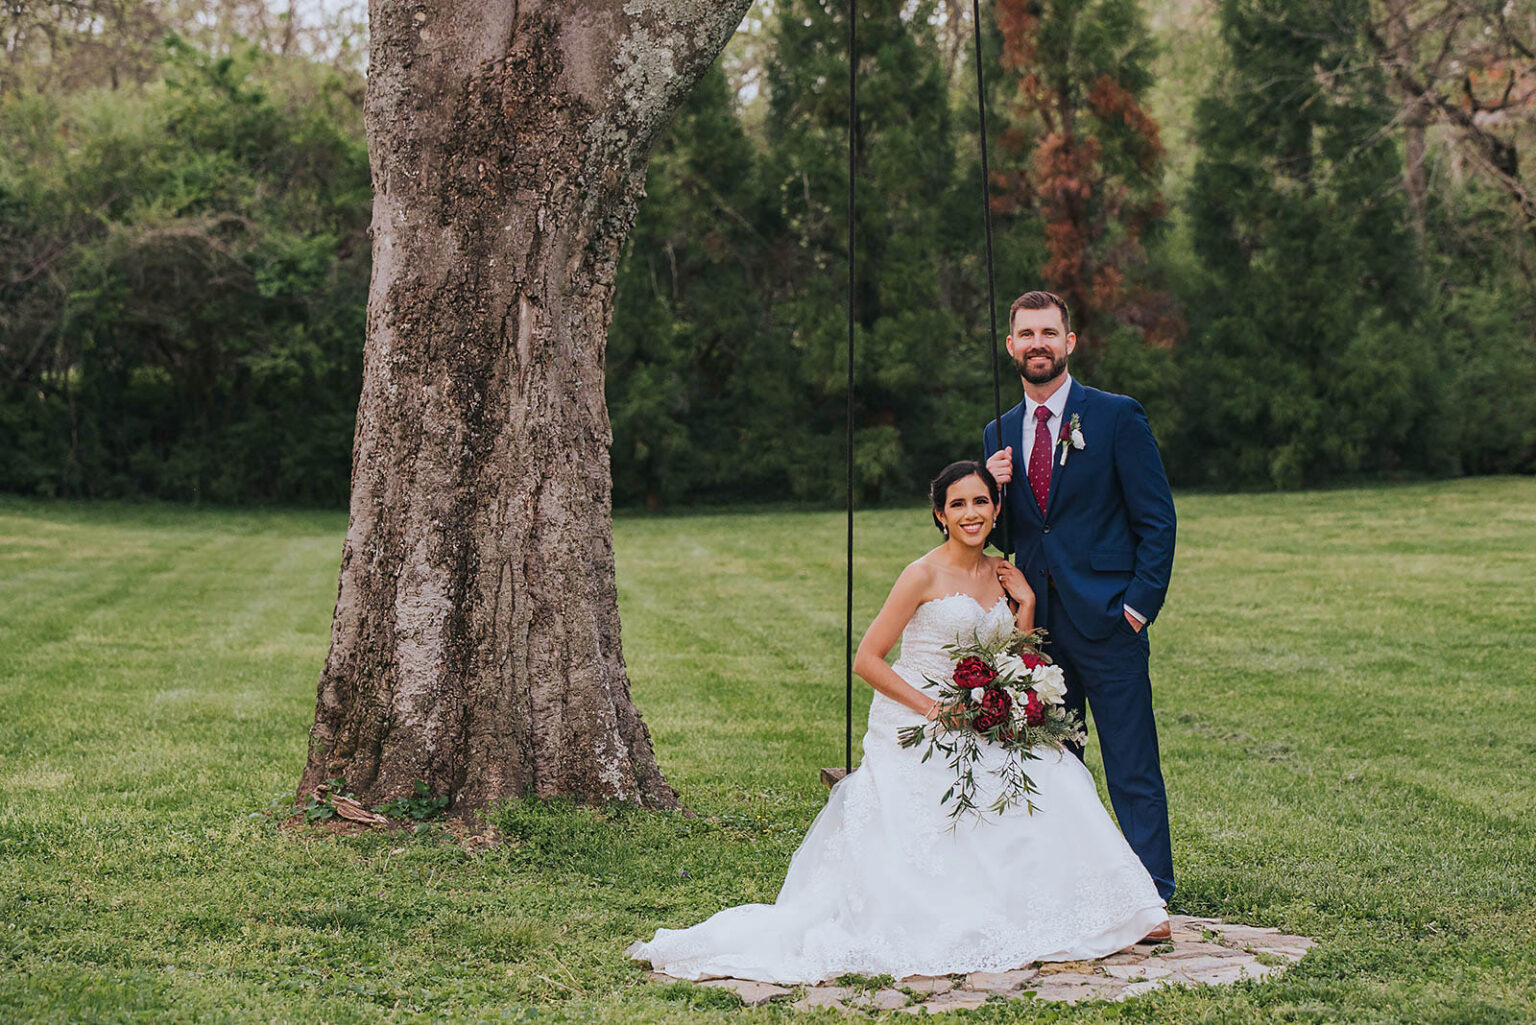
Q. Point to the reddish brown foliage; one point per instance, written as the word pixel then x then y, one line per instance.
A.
pixel 1053 164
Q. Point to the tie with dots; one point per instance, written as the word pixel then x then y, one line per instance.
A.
pixel 1040 458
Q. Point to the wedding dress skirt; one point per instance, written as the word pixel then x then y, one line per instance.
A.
pixel 883 885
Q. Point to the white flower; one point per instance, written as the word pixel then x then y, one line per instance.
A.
pixel 1050 683
pixel 1011 667
pixel 1077 438
pixel 977 693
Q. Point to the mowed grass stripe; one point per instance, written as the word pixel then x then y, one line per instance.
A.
pixel 1345 699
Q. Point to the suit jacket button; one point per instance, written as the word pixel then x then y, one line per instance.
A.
pixel 1046 529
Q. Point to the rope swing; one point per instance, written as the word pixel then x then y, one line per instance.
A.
pixel 1002 540
pixel 1000 535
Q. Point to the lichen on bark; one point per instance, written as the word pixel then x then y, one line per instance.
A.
pixel 475 642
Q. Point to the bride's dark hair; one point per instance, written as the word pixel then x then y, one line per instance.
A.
pixel 938 491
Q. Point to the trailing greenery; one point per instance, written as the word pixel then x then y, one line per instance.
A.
pixel 1345 705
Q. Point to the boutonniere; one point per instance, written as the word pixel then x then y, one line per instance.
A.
pixel 1071 437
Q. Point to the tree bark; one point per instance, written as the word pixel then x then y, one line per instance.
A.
pixel 475 641
pixel 1429 61
pixel 1415 120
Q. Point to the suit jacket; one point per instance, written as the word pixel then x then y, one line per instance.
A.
pixel 1106 539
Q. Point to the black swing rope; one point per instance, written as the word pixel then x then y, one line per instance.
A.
pixel 986 219
pixel 997 392
pixel 853 133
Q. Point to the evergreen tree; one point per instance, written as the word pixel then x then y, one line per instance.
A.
pixel 1306 361
pixel 689 318
pixel 918 406
pixel 1485 318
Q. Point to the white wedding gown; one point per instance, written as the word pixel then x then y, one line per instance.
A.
pixel 882 885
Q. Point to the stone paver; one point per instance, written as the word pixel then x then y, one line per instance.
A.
pixel 954 1000
pixel 1223 973
pixel 1138 972
pixel 823 996
pixel 1136 989
pixel 1245 933
pixel 1074 989
pixel 753 994
pixel 1202 952
pixel 1193 965
pixel 999 982
pixel 886 1000
pixel 927 985
pixel 1199 948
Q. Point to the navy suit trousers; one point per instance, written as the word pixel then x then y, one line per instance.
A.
pixel 1111 673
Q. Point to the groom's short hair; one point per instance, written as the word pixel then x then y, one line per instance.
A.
pixel 1039 301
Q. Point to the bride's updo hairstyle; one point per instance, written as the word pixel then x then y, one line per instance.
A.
pixel 938 491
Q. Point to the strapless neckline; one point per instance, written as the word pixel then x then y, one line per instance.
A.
pixel 962 594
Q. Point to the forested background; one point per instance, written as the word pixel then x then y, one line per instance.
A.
pixel 1301 232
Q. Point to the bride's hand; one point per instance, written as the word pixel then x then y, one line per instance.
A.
pixel 949 716
pixel 1012 579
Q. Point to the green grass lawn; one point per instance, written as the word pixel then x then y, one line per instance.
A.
pixel 1346 698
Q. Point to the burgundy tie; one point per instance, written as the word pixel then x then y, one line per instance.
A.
pixel 1040 459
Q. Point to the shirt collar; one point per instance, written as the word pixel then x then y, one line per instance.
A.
pixel 1057 404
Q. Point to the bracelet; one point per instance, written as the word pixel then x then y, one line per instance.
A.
pixel 933 708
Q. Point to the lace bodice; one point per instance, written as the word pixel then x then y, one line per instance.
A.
pixel 942 621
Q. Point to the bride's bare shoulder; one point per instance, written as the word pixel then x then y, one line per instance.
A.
pixel 917 579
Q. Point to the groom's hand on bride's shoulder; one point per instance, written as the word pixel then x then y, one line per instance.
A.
pixel 1000 465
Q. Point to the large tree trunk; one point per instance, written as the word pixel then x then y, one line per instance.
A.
pixel 475 643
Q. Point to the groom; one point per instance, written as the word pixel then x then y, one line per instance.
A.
pixel 1091 522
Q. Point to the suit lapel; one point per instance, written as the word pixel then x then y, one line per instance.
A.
pixel 1074 406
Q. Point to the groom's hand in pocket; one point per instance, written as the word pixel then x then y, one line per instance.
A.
pixel 1000 465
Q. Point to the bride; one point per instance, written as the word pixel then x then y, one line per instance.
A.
pixel 882 884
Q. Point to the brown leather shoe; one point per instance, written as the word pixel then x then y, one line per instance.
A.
pixel 1161 934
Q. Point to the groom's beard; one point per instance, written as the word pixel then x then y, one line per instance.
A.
pixel 1040 376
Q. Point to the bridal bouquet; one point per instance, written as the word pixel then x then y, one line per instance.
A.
pixel 1003 690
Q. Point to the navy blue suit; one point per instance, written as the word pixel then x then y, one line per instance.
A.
pixel 1105 542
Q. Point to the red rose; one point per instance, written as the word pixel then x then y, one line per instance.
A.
pixel 973 672
pixel 995 706
pixel 1034 709
pixel 1032 661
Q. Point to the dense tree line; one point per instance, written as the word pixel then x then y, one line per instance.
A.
pixel 183 272
pixel 1340 286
